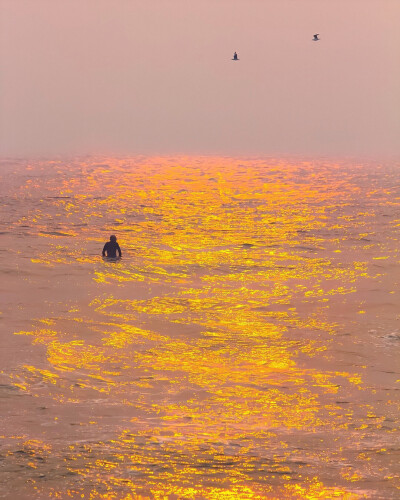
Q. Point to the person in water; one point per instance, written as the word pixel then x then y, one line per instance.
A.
pixel 111 248
pixel 235 56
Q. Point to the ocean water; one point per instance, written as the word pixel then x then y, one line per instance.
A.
pixel 246 346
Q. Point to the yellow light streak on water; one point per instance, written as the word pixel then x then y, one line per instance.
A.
pixel 223 356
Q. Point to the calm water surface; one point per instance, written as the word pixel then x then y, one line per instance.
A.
pixel 245 347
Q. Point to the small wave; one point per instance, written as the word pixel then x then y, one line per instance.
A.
pixel 56 233
pixel 300 247
pixel 392 336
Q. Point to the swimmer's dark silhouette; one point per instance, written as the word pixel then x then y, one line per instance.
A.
pixel 235 57
pixel 111 248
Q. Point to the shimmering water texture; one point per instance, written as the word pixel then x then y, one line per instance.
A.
pixel 244 347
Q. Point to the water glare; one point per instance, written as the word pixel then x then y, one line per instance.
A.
pixel 245 346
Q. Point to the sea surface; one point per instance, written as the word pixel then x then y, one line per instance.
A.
pixel 246 346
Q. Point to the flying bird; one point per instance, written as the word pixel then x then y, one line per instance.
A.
pixel 316 37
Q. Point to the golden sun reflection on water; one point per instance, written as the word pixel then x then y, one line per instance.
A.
pixel 218 358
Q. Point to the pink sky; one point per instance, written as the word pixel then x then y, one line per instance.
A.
pixel 155 76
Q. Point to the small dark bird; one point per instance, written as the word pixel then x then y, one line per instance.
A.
pixel 316 37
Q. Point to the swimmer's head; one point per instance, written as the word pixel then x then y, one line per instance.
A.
pixel 113 238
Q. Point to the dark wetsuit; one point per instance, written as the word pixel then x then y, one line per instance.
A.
pixel 111 248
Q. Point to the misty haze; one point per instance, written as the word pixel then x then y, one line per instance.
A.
pixel 199 242
pixel 132 77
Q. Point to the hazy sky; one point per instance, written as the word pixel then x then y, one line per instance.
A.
pixel 156 76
